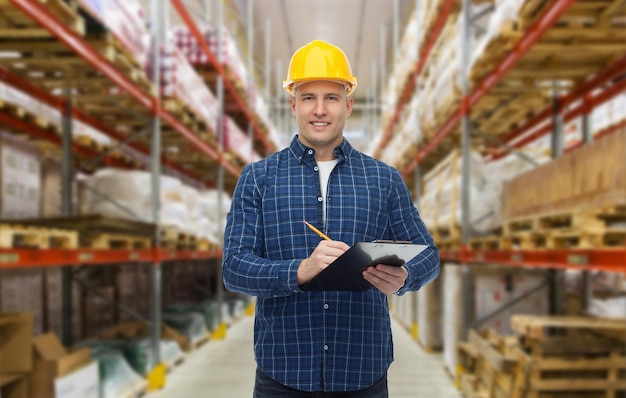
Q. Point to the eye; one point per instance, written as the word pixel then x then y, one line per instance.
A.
pixel 307 97
pixel 333 98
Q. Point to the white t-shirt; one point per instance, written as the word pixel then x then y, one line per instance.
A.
pixel 324 169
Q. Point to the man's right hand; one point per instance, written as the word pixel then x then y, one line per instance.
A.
pixel 324 254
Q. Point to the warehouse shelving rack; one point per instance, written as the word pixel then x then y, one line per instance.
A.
pixel 590 95
pixel 149 108
pixel 409 87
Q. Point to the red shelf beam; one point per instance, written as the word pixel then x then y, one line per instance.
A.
pixel 584 91
pixel 193 28
pixel 28 258
pixel 552 14
pixel 39 14
pixel 611 260
pixel 38 132
pixel 58 103
pixel 568 116
pixel 410 86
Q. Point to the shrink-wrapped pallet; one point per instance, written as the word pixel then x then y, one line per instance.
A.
pixel 231 57
pixel 127 194
pixel 441 202
pixel 236 141
pixel 181 82
pixel 126 19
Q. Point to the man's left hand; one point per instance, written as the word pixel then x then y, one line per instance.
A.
pixel 386 278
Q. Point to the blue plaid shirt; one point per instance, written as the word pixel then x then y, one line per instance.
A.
pixel 319 341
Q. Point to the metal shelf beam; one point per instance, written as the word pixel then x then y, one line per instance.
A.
pixel 28 258
pixel 611 260
pixel 58 103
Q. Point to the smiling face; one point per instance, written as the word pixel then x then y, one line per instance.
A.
pixel 321 108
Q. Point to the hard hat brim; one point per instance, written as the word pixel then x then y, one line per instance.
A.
pixel 291 85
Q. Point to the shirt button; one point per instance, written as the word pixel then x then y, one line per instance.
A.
pixel 316 168
pixel 310 152
pixel 319 199
pixel 325 306
pixel 325 347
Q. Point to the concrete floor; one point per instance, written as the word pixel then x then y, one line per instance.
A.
pixel 225 368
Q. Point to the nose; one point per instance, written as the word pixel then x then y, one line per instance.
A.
pixel 320 108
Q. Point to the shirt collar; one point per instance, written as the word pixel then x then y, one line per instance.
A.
pixel 301 152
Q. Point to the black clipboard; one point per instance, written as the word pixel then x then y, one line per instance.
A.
pixel 345 273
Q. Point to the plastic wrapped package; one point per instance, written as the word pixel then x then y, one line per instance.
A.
pixel 211 197
pixel 127 21
pixel 117 377
pixel 132 190
pixel 207 308
pixel 139 354
pixel 236 304
pixel 441 201
pixel 189 324
pixel 179 80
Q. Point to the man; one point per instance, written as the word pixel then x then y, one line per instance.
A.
pixel 318 344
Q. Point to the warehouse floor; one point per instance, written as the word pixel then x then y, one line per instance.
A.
pixel 225 368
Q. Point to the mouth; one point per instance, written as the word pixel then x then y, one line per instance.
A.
pixel 320 124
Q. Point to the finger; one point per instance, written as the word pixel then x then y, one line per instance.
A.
pixel 335 244
pixel 392 270
pixel 379 283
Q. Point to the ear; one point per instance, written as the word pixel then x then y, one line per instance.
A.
pixel 292 104
pixel 349 104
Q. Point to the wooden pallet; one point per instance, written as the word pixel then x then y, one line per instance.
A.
pixel 568 356
pixel 16 24
pixel 20 113
pixel 174 239
pixel 108 241
pixel 186 114
pixel 571 362
pixel 24 236
pixel 538 326
pixel 486 243
pixel 201 341
pixel 589 229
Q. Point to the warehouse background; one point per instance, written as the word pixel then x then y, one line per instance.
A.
pixel 124 126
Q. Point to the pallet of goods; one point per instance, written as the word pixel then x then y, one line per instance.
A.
pixel 552 357
pixel 577 200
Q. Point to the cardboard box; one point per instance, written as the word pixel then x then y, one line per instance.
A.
pixel 13 386
pixel 15 343
pixel 83 383
pixel 20 178
pixel 53 360
pixel 20 291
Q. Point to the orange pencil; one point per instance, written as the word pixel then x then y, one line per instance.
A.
pixel 317 231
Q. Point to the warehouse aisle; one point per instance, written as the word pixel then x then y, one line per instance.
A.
pixel 226 369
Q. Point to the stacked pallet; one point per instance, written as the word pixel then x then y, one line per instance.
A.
pixel 578 200
pixel 553 357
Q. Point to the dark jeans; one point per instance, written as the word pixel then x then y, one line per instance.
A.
pixel 266 387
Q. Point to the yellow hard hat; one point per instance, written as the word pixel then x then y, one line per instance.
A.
pixel 319 60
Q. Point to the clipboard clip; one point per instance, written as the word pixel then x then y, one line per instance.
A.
pixel 400 242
